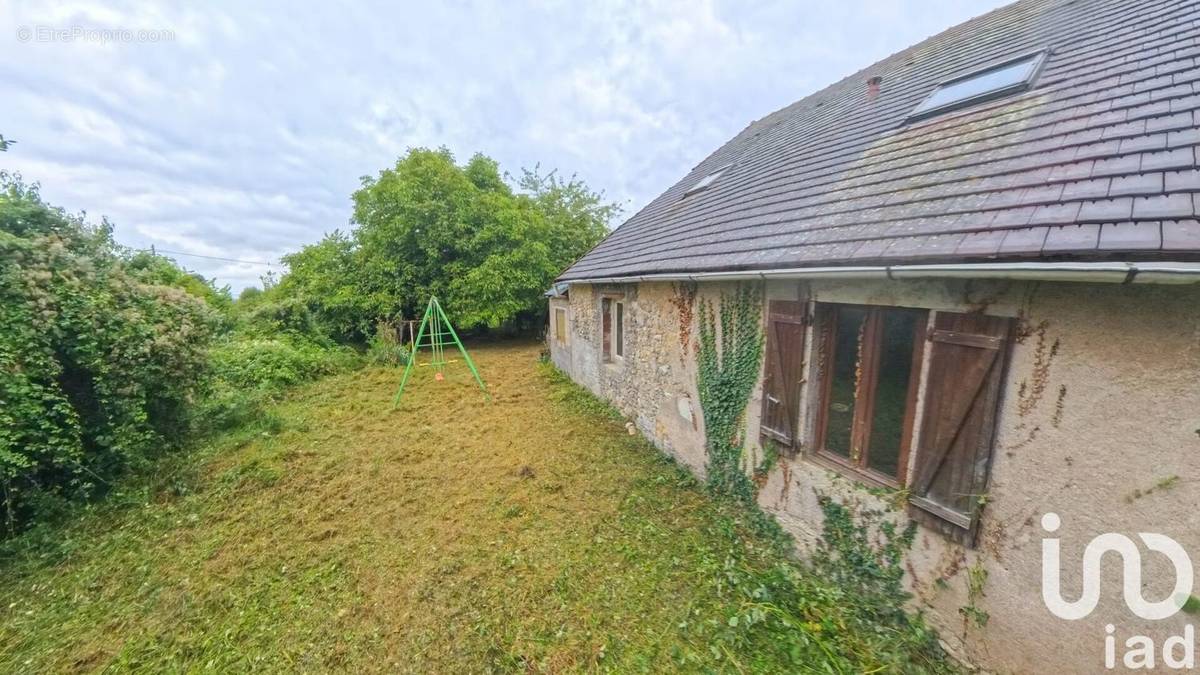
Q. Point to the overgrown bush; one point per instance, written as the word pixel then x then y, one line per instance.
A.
pixel 385 347
pixel 281 316
pixel 97 362
pixel 274 363
pixel 248 371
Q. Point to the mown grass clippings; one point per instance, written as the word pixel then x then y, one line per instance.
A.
pixel 530 533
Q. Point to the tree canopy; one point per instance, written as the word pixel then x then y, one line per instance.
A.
pixel 487 246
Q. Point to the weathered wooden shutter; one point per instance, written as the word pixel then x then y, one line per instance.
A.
pixel 966 366
pixel 783 372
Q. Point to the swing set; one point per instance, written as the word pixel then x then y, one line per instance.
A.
pixel 439 329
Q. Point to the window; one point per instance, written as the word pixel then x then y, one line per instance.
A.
pixel 870 362
pixel 706 181
pixel 993 82
pixel 612 328
pixel 868 373
pixel 619 342
pixel 560 325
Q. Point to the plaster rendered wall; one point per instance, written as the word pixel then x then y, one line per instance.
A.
pixel 1100 404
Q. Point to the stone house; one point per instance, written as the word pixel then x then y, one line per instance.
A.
pixel 977 261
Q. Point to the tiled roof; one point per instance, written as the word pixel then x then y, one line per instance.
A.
pixel 1097 161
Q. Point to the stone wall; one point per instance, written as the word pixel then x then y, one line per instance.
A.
pixel 1099 423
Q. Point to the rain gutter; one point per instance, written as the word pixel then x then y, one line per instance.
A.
pixel 1098 272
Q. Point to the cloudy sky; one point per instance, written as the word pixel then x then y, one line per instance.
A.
pixel 239 130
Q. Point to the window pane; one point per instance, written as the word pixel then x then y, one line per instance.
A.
pixel 560 325
pixel 606 327
pixel 983 83
pixel 839 413
pixel 891 390
pixel 620 347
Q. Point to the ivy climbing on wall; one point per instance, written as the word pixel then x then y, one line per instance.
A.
pixel 729 354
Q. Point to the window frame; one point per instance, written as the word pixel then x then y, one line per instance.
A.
pixel 1038 58
pixel 612 314
pixel 707 180
pixel 618 334
pixel 560 331
pixel 865 393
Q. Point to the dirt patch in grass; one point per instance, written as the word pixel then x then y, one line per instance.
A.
pixel 452 535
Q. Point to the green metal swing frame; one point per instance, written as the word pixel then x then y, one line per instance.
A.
pixel 438 323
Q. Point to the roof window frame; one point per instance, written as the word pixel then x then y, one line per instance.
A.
pixel 712 177
pixel 1038 57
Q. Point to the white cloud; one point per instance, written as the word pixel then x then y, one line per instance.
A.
pixel 244 135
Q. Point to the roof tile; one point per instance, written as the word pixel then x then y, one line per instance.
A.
pixel 1073 171
pixel 1096 150
pixel 1024 241
pixel 1071 238
pixel 1162 207
pixel 1187 103
pixel 1013 217
pixel 1106 210
pixel 1125 130
pixel 1055 214
pixel 1142 143
pixel 1116 166
pixel 1179 158
pixel 1184 137
pixel 1130 236
pixel 1136 184
pixel 981 244
pixel 1181 235
pixel 1169 122
pixel 1183 181
pixel 872 249
pixel 1171 92
pixel 1042 194
pixel 1087 189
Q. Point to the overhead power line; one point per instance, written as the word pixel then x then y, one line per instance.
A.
pixel 157 251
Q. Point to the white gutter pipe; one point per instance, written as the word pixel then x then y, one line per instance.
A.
pixel 1115 273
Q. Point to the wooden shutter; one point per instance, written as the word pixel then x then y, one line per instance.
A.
pixel 966 368
pixel 784 370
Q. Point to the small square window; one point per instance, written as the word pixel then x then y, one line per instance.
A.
pixel 982 85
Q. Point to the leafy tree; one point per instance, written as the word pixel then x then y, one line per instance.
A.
pixel 323 276
pixel 156 269
pixel 428 226
pixel 250 295
pixel 580 215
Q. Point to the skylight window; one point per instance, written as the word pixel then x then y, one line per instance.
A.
pixel 981 85
pixel 706 181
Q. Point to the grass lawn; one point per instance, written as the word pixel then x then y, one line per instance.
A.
pixel 531 533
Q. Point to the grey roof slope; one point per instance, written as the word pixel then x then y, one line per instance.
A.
pixel 1097 161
